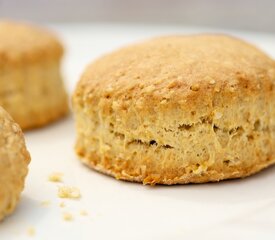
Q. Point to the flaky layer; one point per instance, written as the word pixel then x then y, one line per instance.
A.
pixel 171 151
pixel 178 110
pixel 14 160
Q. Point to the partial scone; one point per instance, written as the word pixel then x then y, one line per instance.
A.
pixel 14 160
pixel 179 109
pixel 31 87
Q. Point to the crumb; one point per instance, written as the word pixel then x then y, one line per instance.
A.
pixel 45 203
pixel 31 231
pixel 55 177
pixel 67 217
pixel 69 192
pixel 83 213
pixel 62 205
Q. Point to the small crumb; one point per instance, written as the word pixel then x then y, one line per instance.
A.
pixel 62 205
pixel 55 177
pixel 67 216
pixel 195 87
pixel 69 192
pixel 45 203
pixel 31 231
pixel 83 213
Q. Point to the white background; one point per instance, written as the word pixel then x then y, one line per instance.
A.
pixel 236 209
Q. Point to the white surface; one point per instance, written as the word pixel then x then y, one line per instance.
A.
pixel 237 209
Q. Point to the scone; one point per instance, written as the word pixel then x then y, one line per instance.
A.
pixel 178 109
pixel 14 160
pixel 31 87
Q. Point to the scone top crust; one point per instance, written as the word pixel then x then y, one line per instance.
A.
pixel 177 72
pixel 24 43
pixel 14 160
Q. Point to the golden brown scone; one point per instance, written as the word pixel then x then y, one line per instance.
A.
pixel 14 160
pixel 31 87
pixel 178 109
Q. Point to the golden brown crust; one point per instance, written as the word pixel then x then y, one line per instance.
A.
pixel 179 109
pixel 31 87
pixel 114 169
pixel 14 160
pixel 24 43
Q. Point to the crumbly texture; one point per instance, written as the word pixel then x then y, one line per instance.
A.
pixel 31 87
pixel 178 109
pixel 14 160
pixel 69 192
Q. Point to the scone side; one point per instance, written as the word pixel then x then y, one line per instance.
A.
pixel 107 167
pixel 17 156
pixel 45 117
pixel 36 95
pixel 116 151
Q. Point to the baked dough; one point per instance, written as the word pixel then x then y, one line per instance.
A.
pixel 178 109
pixel 14 160
pixel 31 87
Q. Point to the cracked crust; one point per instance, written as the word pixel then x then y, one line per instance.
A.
pixel 31 87
pixel 14 160
pixel 178 109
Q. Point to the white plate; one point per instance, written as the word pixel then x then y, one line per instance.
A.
pixel 120 210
